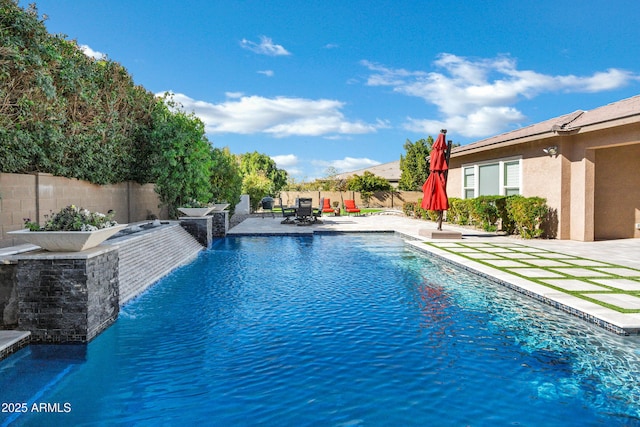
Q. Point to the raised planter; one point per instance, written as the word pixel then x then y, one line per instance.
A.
pixel 195 211
pixel 67 241
pixel 219 207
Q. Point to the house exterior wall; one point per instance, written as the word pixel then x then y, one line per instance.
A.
pixel 592 186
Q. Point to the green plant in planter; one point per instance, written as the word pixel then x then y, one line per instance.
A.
pixel 72 218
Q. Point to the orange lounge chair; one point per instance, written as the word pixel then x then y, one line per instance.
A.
pixel 326 206
pixel 350 207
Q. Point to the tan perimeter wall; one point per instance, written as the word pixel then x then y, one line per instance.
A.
pixel 383 199
pixel 38 195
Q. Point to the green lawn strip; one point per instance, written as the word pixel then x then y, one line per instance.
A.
pixel 539 254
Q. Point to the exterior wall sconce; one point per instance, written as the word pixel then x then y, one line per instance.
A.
pixel 551 151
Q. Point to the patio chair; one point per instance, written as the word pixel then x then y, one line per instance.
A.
pixel 350 207
pixel 317 212
pixel 304 213
pixel 287 213
pixel 326 206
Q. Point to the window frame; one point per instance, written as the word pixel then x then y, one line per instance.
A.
pixel 502 171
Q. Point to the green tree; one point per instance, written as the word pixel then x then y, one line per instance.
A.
pixel 62 112
pixel 257 185
pixel 226 181
pixel 182 157
pixel 252 163
pixel 367 184
pixel 414 169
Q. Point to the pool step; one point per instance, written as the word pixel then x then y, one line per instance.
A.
pixel 147 257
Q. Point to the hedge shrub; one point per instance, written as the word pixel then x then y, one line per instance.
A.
pixel 528 214
pixel 514 214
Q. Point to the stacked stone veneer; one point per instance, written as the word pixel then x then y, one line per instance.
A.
pixel 199 228
pixel 63 297
pixel 8 300
pixel 67 297
pixel 219 224
pixel 205 228
pixel 148 256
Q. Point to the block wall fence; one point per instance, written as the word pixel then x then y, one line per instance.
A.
pixel 381 199
pixel 36 195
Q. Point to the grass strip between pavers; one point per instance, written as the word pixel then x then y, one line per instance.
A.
pixel 557 256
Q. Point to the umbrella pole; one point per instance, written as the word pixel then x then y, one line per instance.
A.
pixel 440 220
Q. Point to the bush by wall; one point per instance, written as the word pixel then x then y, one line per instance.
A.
pixel 513 214
pixel 528 214
pixel 414 209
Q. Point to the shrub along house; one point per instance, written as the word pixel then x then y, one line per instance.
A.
pixel 586 164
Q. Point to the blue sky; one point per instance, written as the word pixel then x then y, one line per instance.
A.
pixel 319 84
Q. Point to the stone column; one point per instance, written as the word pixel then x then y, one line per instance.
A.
pixel 220 224
pixel 199 227
pixel 67 297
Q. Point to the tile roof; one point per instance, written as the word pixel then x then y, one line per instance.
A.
pixel 568 123
pixel 389 171
pixel 607 115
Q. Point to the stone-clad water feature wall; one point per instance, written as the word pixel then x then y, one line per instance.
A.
pixel 73 296
pixel 69 297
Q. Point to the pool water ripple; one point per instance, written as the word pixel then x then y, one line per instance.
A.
pixel 338 330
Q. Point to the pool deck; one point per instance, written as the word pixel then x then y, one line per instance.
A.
pixel 587 279
pixel 582 278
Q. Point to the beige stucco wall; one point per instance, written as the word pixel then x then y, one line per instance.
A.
pixel 617 192
pixel 384 199
pixel 38 195
pixel 542 175
pixel 592 186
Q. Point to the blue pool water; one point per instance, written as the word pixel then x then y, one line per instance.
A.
pixel 339 330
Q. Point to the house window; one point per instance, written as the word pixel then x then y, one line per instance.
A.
pixel 511 178
pixel 500 177
pixel 469 182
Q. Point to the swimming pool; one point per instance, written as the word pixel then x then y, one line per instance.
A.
pixel 330 330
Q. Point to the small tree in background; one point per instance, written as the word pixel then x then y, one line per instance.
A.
pixel 257 186
pixel 414 169
pixel 253 163
pixel 367 184
pixel 226 181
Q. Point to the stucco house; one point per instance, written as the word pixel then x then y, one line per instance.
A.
pixel 586 164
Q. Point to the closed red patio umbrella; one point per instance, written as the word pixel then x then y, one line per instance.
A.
pixel 435 187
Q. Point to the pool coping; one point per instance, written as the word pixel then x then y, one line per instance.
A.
pixel 11 341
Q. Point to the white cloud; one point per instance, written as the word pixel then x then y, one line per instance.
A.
pixel 265 47
pixel 477 96
pixel 92 53
pixel 268 73
pixel 348 164
pixel 288 162
pixel 285 160
pixel 233 94
pixel 280 116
